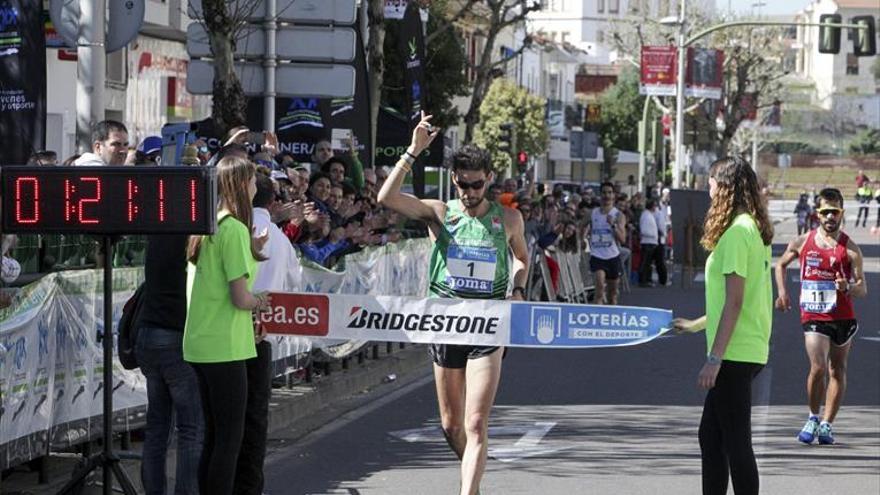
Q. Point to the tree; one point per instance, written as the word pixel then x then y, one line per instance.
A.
pixel 621 113
pixel 224 21
pixel 866 142
pixel 492 17
pixel 753 64
pixel 375 61
pixel 505 102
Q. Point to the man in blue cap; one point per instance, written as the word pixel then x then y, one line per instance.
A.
pixel 149 152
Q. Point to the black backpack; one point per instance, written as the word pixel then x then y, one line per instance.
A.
pixel 128 329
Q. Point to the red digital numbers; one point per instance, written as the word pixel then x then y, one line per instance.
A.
pixel 107 200
pixel 19 207
pixel 161 200
pixel 132 208
pixel 192 200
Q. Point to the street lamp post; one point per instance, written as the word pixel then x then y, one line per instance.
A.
pixel 679 100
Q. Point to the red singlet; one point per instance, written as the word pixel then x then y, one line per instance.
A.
pixel 820 300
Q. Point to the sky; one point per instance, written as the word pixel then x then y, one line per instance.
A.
pixel 772 7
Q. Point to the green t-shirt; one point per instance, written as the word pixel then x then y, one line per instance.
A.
pixel 741 251
pixel 216 330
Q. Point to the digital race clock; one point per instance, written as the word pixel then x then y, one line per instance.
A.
pixel 108 200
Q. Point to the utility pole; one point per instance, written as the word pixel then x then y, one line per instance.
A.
pixel 679 99
pixel 269 64
pixel 91 67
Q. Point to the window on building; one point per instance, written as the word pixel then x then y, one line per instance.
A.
pixel 600 36
pixel 563 37
pixel 600 6
pixel 613 6
pixel 115 69
pixel 852 65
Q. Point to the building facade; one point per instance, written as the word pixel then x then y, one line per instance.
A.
pixel 843 83
pixel 145 81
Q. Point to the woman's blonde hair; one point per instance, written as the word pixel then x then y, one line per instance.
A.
pixel 737 192
pixel 233 176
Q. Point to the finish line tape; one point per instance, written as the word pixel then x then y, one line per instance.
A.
pixel 463 321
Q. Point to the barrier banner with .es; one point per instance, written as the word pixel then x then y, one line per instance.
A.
pixel 463 321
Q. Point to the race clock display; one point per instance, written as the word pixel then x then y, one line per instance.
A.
pixel 108 200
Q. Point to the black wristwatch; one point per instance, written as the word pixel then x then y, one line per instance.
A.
pixel 522 291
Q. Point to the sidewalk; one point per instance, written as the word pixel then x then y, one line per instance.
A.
pixel 293 413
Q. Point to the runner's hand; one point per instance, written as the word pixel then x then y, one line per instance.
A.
pixel 783 303
pixel 423 135
pixel 841 283
pixel 707 376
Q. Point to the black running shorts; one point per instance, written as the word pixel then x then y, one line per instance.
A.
pixel 610 267
pixel 840 331
pixel 456 356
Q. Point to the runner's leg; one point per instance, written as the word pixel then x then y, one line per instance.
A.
pixel 817 351
pixel 599 291
pixel 612 290
pixel 450 384
pixel 483 375
pixel 836 380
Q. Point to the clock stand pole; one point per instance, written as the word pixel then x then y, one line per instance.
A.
pixel 106 459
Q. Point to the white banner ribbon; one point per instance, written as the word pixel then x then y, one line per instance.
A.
pixel 463 321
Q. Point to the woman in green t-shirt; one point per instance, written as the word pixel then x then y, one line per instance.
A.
pixel 738 234
pixel 219 335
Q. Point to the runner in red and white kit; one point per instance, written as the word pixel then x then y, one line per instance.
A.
pixel 831 274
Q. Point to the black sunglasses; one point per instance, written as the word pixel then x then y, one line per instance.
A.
pixel 475 185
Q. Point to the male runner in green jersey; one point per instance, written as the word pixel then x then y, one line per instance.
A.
pixel 472 238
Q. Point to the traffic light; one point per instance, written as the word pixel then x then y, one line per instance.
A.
pixel 505 142
pixel 522 161
pixel 829 37
pixel 864 40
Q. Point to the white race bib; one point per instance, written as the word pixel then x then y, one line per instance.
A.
pixel 818 296
pixel 601 238
pixel 471 268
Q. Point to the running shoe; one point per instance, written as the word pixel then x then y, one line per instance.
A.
pixel 825 436
pixel 808 433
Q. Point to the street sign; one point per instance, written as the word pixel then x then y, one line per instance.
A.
pixel 583 145
pixel 291 80
pixel 323 12
pixel 300 43
pixel 123 22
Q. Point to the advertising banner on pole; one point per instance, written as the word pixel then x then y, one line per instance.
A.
pixel 705 72
pixel 22 80
pixel 658 69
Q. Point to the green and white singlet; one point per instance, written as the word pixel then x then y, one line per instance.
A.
pixel 470 258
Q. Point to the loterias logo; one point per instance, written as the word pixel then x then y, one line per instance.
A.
pixel 361 318
pixel 299 314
